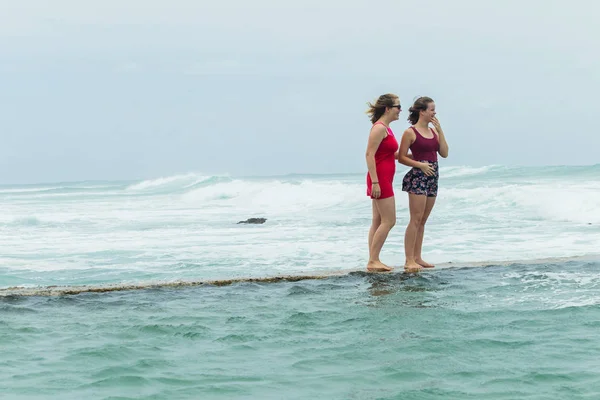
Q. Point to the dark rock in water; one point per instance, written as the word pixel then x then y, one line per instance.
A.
pixel 253 221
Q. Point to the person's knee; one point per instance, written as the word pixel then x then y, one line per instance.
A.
pixel 416 220
pixel 389 222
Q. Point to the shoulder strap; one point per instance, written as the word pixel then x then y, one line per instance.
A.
pixel 387 129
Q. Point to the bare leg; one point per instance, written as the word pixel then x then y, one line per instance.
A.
pixel 416 204
pixel 374 225
pixel 421 232
pixel 386 209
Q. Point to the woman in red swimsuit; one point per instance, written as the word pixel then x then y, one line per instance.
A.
pixel 421 182
pixel 382 152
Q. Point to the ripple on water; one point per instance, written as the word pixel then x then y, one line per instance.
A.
pixel 479 333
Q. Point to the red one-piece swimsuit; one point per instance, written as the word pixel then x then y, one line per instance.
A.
pixel 385 164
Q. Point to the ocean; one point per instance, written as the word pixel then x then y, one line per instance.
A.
pixel 151 289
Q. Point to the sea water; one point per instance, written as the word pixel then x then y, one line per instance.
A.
pixel 512 309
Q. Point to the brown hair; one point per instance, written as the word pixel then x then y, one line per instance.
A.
pixel 420 104
pixel 376 110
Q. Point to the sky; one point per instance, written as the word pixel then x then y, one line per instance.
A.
pixel 123 90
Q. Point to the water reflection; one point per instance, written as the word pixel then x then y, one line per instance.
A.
pixel 408 290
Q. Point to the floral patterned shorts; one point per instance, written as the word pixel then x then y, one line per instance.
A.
pixel 415 181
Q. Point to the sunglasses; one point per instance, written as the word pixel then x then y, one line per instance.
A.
pixel 399 107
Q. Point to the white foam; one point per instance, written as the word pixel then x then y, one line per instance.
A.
pixel 166 181
pixel 313 224
pixel 568 289
pixel 25 190
pixel 461 171
pixel 562 202
pixel 567 202
pixel 277 197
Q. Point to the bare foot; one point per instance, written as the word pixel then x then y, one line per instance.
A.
pixel 424 264
pixel 412 266
pixel 378 266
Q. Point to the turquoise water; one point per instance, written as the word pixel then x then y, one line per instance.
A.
pixel 490 332
pixel 511 310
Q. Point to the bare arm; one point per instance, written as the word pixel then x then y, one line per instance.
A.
pixel 408 138
pixel 443 150
pixel 397 155
pixel 378 133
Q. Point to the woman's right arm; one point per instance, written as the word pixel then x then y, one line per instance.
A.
pixel 378 133
pixel 408 138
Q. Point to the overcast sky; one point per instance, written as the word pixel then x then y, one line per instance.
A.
pixel 134 89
